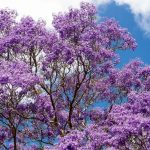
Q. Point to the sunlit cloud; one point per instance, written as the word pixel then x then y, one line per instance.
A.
pixel 141 11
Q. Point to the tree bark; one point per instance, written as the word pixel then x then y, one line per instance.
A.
pixel 14 137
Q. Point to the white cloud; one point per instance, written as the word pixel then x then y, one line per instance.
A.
pixel 44 8
pixel 39 8
pixel 99 2
pixel 141 11
pixel 139 8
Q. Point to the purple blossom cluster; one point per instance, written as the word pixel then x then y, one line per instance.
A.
pixel 127 126
pixel 50 81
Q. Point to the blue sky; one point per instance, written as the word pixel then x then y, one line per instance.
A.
pixel 127 20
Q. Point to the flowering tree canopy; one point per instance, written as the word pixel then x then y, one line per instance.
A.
pixel 51 81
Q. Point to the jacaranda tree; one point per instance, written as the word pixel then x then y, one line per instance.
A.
pixel 51 81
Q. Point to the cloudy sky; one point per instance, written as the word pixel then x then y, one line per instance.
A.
pixel 132 14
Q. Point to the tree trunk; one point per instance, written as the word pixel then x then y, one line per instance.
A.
pixel 14 138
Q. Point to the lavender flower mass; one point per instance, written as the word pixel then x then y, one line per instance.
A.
pixel 51 78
